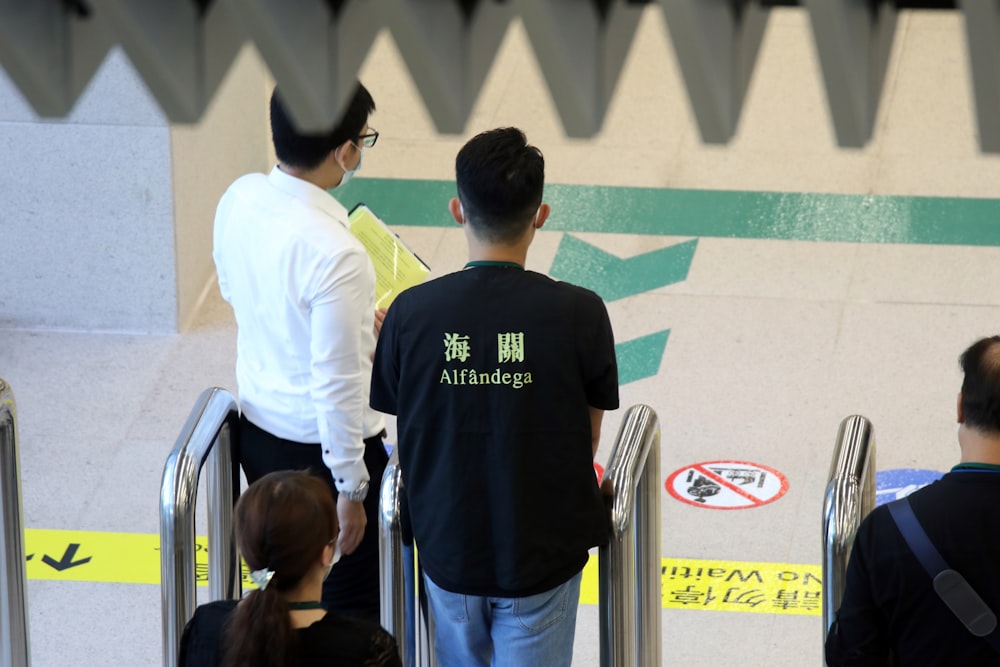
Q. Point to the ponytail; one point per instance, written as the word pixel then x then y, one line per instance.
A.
pixel 259 632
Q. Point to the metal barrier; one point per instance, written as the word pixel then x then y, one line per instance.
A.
pixel 208 435
pixel 850 496
pixel 404 611
pixel 13 591
pixel 630 584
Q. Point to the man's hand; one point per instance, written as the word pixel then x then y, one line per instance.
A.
pixel 379 319
pixel 352 519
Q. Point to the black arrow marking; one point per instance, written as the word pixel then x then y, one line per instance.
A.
pixel 30 556
pixel 67 560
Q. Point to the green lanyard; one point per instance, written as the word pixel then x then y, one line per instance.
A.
pixel 301 606
pixel 976 467
pixel 508 265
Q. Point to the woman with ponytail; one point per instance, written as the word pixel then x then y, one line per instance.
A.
pixel 286 531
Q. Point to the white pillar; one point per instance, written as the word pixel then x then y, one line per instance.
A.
pixel 106 215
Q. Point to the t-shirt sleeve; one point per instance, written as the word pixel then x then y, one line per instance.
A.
pixel 384 652
pixel 599 361
pixel 202 640
pixel 859 634
pixel 385 366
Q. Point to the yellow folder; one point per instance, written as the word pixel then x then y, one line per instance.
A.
pixel 396 266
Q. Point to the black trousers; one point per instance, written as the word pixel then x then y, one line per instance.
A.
pixel 352 589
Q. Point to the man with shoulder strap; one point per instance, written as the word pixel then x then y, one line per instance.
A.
pixel 893 611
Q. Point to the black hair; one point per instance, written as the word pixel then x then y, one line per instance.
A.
pixel 500 180
pixel 981 386
pixel 308 150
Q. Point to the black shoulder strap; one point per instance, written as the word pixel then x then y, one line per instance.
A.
pixel 951 587
pixel 916 537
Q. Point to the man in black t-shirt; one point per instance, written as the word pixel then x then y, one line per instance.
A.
pixel 500 377
pixel 890 614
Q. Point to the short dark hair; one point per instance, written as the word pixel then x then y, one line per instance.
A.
pixel 500 180
pixel 308 150
pixel 981 386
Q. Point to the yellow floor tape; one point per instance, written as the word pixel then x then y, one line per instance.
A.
pixel 134 558
pixel 762 588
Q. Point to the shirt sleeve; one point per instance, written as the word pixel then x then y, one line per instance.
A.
pixel 221 215
pixel 599 360
pixel 339 384
pixel 385 369
pixel 858 636
pixel 383 651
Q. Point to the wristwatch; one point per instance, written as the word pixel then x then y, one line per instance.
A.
pixel 357 495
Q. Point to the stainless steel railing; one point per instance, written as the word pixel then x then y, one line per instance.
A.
pixel 630 583
pixel 404 611
pixel 850 496
pixel 13 591
pixel 208 436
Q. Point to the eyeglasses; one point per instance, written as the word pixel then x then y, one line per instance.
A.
pixel 368 140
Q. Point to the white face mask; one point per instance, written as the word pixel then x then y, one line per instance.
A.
pixel 349 173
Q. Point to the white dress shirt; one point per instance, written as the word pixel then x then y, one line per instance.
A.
pixel 303 291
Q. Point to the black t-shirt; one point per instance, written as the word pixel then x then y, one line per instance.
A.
pixel 337 640
pixel 491 371
pixel 333 641
pixel 889 605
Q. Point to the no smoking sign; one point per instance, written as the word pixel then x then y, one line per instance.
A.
pixel 727 485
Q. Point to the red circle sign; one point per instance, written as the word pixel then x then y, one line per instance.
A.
pixel 727 485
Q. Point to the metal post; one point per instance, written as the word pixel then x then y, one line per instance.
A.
pixel 13 592
pixel 423 620
pixel 649 567
pixel 629 567
pixel 392 561
pixel 404 612
pixel 210 429
pixel 850 496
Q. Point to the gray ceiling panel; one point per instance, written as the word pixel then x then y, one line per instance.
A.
pixel 716 42
pixel 448 53
pixel 314 48
pixel 982 26
pixel 581 52
pixel 181 53
pixel 853 39
pixel 50 52
pixel 313 55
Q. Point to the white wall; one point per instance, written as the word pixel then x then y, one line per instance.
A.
pixel 105 216
pixel 232 139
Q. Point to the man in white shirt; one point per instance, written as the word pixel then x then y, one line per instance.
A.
pixel 303 292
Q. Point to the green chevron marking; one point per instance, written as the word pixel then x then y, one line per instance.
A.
pixel 613 278
pixel 640 358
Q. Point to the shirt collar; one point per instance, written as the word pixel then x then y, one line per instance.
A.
pixel 483 262
pixel 309 193
pixel 991 467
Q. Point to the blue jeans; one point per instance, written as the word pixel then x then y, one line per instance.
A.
pixel 475 631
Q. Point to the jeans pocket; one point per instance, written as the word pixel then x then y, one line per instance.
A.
pixel 453 606
pixel 537 612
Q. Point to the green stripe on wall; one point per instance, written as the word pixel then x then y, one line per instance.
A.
pixel 712 213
